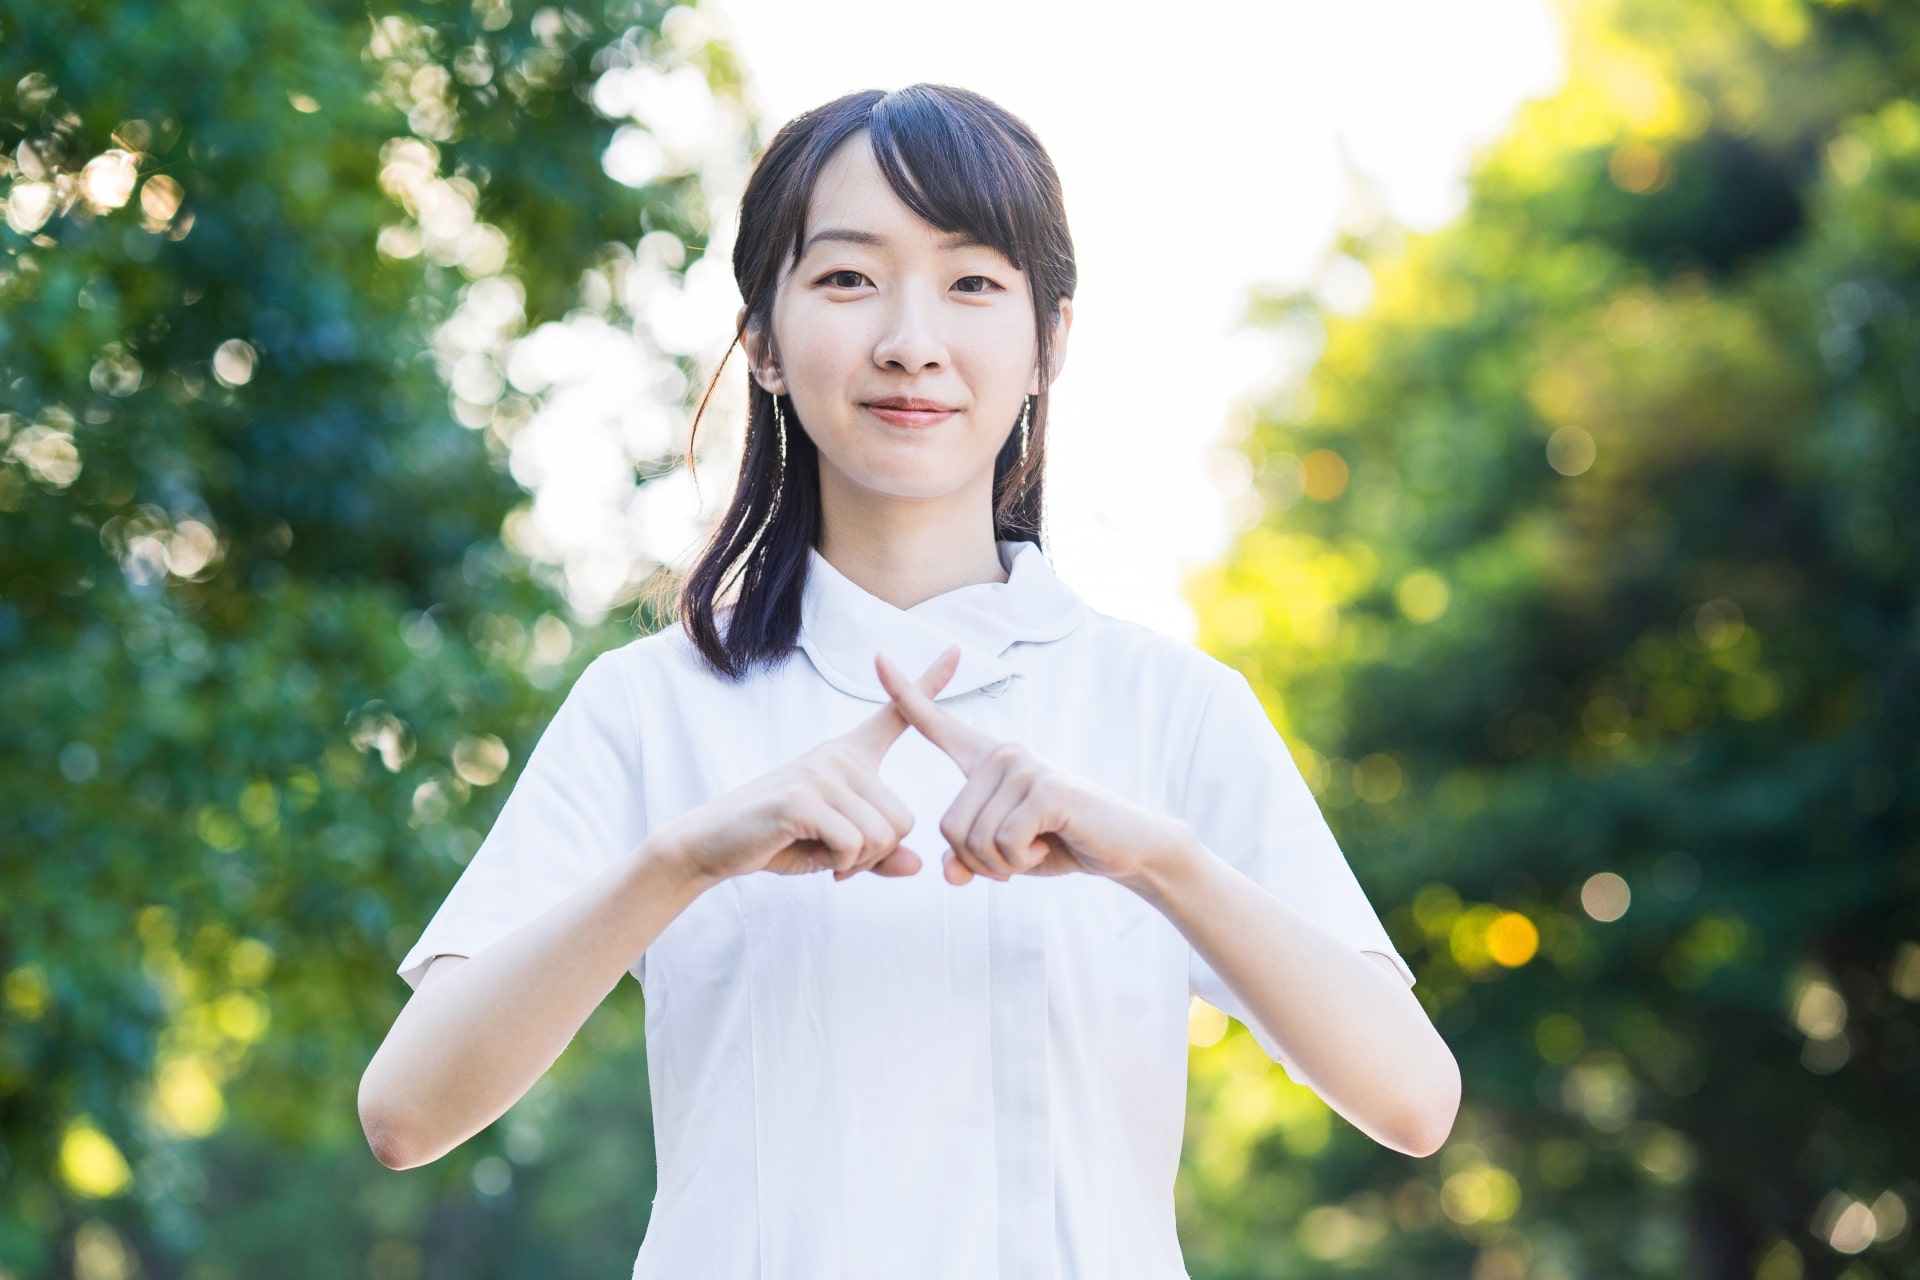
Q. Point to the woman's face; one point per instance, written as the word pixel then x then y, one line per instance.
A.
pixel 881 306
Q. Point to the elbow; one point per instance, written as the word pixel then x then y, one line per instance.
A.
pixel 1428 1133
pixel 1430 1123
pixel 385 1140
pixel 387 1145
pixel 386 1136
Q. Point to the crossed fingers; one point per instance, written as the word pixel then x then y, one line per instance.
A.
pixel 1000 823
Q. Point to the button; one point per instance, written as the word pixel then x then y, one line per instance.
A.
pixel 998 687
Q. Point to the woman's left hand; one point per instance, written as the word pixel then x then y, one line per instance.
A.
pixel 1017 813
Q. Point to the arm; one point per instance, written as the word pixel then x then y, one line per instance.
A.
pixel 478 1032
pixel 1348 1022
pixel 1345 1017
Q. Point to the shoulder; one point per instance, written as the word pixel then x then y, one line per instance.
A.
pixel 668 653
pixel 1142 673
pixel 667 663
pixel 669 645
pixel 1141 650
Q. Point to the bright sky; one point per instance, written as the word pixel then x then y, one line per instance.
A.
pixel 1203 149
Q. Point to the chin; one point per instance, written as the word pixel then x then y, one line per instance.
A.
pixel 916 482
pixel 904 490
pixel 907 474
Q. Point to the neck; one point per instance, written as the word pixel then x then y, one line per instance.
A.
pixel 904 567
pixel 904 549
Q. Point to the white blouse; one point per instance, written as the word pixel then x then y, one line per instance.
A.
pixel 884 1077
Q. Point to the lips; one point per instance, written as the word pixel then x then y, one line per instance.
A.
pixel 910 411
pixel 913 403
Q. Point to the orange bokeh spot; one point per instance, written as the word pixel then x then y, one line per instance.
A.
pixel 1323 474
pixel 1512 939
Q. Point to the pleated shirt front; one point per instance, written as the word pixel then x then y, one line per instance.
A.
pixel 883 1077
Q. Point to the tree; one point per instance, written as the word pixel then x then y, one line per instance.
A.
pixel 264 648
pixel 1585 595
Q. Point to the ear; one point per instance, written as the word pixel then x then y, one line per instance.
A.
pixel 1057 358
pixel 760 364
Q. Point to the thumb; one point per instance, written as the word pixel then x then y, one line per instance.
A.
pixel 955 870
pixel 901 862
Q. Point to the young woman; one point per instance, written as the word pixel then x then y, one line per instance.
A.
pixel 963 1052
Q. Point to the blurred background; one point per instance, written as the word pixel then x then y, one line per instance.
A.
pixel 1522 395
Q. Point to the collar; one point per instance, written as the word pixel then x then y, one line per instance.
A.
pixel 842 625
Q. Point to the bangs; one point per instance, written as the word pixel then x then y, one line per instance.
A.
pixel 957 166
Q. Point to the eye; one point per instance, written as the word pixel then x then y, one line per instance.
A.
pixel 833 279
pixel 986 284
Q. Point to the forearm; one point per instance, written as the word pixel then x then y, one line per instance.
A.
pixel 465 1049
pixel 1347 1022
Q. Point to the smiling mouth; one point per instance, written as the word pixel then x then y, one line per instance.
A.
pixel 909 417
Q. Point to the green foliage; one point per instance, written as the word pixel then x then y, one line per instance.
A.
pixel 268 664
pixel 1588 582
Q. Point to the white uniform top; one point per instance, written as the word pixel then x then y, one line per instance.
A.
pixel 900 1077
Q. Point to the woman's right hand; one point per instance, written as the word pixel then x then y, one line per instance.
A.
pixel 824 810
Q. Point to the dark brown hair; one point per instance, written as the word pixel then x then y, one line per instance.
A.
pixel 960 162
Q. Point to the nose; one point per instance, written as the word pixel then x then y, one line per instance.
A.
pixel 910 338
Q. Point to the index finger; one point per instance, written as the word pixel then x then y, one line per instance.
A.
pixel 966 745
pixel 872 736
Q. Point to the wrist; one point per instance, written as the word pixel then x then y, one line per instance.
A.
pixel 664 859
pixel 1174 862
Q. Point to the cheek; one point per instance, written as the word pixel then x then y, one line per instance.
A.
pixel 798 333
pixel 824 350
pixel 1007 340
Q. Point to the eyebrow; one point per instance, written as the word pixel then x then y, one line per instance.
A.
pixel 849 235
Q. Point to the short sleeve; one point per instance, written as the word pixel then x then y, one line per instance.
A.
pixel 1246 800
pixel 576 807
